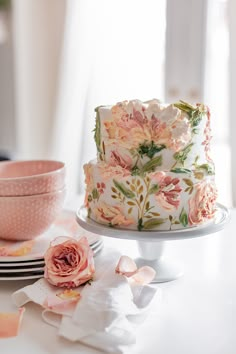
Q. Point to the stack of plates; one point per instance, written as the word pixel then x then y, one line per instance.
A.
pixel 31 266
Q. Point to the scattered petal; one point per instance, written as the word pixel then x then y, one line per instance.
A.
pixel 63 300
pixel 126 266
pixel 69 294
pixel 144 275
pixel 10 323
pixel 23 250
pixel 13 251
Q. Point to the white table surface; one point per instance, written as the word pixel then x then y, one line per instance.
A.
pixel 195 315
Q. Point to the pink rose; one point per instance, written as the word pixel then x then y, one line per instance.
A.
pixel 202 204
pixel 69 262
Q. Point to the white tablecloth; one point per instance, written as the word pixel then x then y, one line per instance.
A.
pixel 196 314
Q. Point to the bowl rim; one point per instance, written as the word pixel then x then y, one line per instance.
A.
pixel 18 197
pixel 39 175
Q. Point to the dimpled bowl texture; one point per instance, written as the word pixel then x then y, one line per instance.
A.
pixel 26 217
pixel 18 178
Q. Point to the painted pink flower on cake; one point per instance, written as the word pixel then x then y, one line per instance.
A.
pixel 181 134
pixel 69 262
pixel 208 137
pixel 123 160
pixel 169 189
pixel 119 111
pixel 111 129
pixel 89 181
pixel 109 171
pixel 202 203
pixel 112 215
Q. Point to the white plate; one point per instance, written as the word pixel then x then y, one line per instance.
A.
pixel 65 225
pixel 21 270
pixel 36 276
pixel 221 218
pixel 20 264
pixel 36 262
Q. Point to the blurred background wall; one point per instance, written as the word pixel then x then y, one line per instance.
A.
pixel 62 58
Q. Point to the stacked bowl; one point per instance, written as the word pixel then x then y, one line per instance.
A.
pixel 32 195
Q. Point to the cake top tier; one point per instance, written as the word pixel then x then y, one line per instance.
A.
pixel 134 133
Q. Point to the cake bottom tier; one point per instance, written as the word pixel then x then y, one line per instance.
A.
pixel 156 200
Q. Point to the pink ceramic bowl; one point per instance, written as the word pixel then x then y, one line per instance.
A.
pixel 26 217
pixel 18 178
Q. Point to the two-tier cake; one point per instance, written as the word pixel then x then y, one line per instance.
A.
pixel 153 169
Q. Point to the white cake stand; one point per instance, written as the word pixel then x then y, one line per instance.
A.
pixel 151 243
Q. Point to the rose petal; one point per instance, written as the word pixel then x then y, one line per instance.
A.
pixel 144 275
pixel 10 323
pixel 126 266
pixel 63 300
pixel 22 250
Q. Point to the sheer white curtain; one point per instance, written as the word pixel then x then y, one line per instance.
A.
pixel 38 28
pixel 112 51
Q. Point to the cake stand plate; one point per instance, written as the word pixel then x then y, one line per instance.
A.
pixel 151 243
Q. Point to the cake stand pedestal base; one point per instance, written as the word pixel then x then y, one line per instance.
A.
pixel 152 254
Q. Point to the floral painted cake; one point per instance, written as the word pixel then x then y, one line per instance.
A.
pixel 153 169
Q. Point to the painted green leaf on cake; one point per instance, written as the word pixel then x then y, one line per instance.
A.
pixel 95 193
pixel 154 189
pixel 152 164
pixel 182 155
pixel 97 130
pixel 152 223
pixel 140 224
pixel 150 149
pixel 180 170
pixel 189 182
pixel 123 189
pixel 135 171
pixel 195 113
pixel 207 168
pixel 183 218
pixel 198 175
